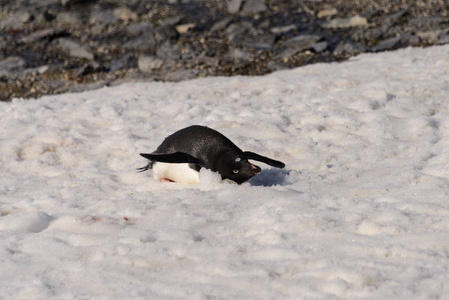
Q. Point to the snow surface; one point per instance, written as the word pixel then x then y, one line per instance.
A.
pixel 360 211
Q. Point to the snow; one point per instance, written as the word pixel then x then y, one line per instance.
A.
pixel 360 211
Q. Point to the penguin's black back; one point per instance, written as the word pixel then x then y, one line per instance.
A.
pixel 201 142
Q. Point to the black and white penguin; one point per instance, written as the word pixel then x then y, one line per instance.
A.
pixel 182 154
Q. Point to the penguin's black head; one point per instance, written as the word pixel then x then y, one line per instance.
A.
pixel 236 167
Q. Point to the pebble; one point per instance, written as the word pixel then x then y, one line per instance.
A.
pixel 148 64
pixel 75 49
pixel 80 45
pixel 354 21
pixel 125 14
pixel 11 64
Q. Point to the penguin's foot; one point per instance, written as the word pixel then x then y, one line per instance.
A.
pixel 166 180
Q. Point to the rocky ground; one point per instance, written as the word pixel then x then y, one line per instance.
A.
pixel 57 46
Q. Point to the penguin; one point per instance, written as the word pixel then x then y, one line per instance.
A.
pixel 182 154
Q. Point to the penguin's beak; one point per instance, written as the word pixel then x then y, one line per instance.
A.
pixel 255 169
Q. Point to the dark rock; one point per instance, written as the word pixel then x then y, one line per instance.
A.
pixel 144 43
pixel 387 44
pixel 86 69
pixel 244 33
pixel 125 62
pixel 391 20
pixel 369 36
pixel 221 25
pixel 165 32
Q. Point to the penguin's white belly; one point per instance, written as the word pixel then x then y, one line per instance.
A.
pixel 175 172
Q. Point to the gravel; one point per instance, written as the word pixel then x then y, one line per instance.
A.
pixel 58 46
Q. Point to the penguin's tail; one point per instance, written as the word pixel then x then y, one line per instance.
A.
pixel 145 168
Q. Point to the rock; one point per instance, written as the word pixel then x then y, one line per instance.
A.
pixel 125 62
pixel 320 47
pixel 429 37
pixel 239 54
pixel 354 21
pixel 392 19
pixel 444 38
pixel 87 87
pixel 165 32
pixel 125 14
pixel 24 16
pixel 368 36
pixel 12 64
pixel 86 69
pixel 329 12
pixel 387 44
pixel 259 46
pixel 180 75
pixel 304 41
pixel 137 28
pixel 69 18
pixel 38 35
pixel 144 43
pixel 184 28
pixel 75 49
pixel 148 64
pixel 349 48
pixel 274 66
pixel 169 51
pixel 234 6
pixel 244 33
pixel 104 17
pixel 298 44
pixel 252 7
pixel 283 29
pixel 426 22
pixel 221 25
pixel 14 21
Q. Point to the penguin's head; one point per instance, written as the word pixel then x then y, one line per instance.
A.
pixel 236 167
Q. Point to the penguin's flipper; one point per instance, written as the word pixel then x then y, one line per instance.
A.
pixel 172 158
pixel 268 161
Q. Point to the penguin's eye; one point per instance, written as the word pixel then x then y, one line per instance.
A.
pixel 235 171
pixel 238 159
